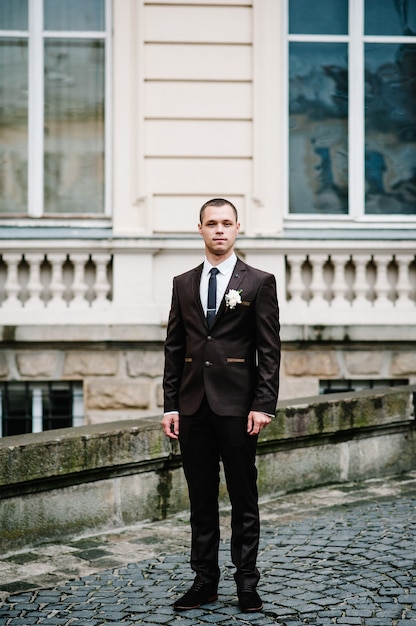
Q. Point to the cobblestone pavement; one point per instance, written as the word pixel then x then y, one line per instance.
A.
pixel 337 555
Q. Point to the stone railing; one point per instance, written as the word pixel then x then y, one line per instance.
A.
pixel 63 483
pixel 55 280
pixel 129 281
pixel 350 285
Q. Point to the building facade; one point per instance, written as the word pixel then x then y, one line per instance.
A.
pixel 120 118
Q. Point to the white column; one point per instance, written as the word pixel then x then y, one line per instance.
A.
pixel 318 286
pixel 382 286
pixel 296 285
pixel 403 286
pixel 12 286
pixel 57 286
pixel 361 285
pixel 79 285
pixel 34 286
pixel 101 285
pixel 339 283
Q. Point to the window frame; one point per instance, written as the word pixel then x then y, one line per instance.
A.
pixel 36 36
pixel 356 40
pixel 40 391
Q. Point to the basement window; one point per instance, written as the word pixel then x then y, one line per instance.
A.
pixel 27 407
pixel 340 386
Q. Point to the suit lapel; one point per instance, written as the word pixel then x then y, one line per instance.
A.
pixel 196 279
pixel 235 281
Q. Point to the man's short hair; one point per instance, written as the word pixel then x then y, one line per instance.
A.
pixel 217 202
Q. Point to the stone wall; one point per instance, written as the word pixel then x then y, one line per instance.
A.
pixel 303 368
pixel 64 483
pixel 117 383
pixel 121 366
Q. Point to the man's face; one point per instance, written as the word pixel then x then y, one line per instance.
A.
pixel 219 229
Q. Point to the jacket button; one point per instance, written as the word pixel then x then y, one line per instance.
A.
pixel 209 338
pixel 207 363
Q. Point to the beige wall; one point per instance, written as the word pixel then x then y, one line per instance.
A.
pixel 193 107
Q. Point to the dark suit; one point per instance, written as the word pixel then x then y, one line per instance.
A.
pixel 214 378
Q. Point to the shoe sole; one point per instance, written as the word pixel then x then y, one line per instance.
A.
pixel 254 610
pixel 196 606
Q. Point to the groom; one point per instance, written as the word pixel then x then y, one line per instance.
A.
pixel 222 357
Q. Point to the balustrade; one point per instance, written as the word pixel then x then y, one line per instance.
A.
pixel 361 282
pixel 320 285
pixel 56 281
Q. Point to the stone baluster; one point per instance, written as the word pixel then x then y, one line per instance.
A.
pixel 339 284
pixel 101 285
pixel 79 285
pixel 403 286
pixel 296 285
pixel 34 287
pixel 12 286
pixel 318 286
pixel 361 285
pixel 57 286
pixel 382 286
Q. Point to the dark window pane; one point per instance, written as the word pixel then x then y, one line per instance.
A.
pixel 390 17
pixel 318 17
pixel 13 125
pixel 74 15
pixel 74 126
pixel 390 129
pixel 57 407
pixel 16 409
pixel 318 125
pixel 13 15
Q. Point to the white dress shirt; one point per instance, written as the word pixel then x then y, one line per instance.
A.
pixel 225 270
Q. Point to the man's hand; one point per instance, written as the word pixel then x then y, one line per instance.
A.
pixel 256 421
pixel 170 425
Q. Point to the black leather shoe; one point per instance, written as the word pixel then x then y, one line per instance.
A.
pixel 200 593
pixel 249 600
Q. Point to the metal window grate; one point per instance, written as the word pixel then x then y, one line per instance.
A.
pixel 339 386
pixel 27 407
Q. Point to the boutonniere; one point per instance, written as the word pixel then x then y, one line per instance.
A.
pixel 232 298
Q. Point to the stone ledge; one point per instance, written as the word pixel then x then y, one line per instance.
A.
pixel 63 483
pixel 131 444
pixel 145 333
pixel 71 451
pixel 341 412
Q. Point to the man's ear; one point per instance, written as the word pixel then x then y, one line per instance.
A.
pixel 200 228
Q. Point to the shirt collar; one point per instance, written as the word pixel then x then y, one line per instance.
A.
pixel 224 268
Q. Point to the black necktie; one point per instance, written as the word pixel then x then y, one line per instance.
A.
pixel 212 296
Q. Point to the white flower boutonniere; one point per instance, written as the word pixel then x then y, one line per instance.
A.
pixel 232 298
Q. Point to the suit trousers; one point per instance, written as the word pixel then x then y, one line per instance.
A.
pixel 206 438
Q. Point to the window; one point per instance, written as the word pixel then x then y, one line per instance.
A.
pixel 352 109
pixel 33 407
pixel 343 385
pixel 53 85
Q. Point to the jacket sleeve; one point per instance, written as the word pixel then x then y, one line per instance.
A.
pixel 268 347
pixel 174 354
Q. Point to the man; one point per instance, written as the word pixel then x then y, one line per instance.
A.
pixel 222 356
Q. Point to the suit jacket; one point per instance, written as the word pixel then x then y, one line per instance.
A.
pixel 235 363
